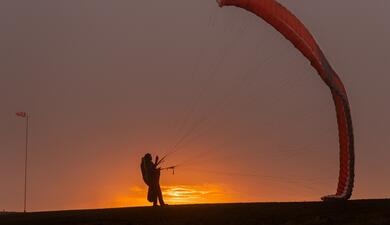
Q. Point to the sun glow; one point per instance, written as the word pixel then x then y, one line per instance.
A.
pixel 176 194
pixel 190 194
pixel 193 194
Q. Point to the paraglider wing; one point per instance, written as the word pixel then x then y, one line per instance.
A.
pixel 295 31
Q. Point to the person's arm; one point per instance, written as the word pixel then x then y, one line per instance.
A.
pixel 156 163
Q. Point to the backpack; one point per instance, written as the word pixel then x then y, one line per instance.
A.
pixel 144 171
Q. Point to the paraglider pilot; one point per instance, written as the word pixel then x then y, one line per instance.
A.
pixel 151 177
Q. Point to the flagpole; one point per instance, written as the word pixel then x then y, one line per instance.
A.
pixel 25 166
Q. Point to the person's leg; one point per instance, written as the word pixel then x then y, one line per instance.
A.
pixel 154 197
pixel 159 195
pixel 152 194
pixel 158 190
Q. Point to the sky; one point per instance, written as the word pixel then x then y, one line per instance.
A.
pixel 246 117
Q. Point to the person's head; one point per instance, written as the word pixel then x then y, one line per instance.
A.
pixel 148 157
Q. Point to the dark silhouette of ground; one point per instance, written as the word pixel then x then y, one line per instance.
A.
pixel 358 212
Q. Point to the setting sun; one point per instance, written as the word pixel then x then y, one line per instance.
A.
pixel 175 194
pixel 183 194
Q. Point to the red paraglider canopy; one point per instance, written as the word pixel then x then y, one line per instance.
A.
pixel 295 31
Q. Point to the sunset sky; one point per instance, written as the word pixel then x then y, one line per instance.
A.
pixel 107 81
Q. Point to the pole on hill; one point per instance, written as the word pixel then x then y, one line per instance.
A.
pixel 25 167
pixel 26 116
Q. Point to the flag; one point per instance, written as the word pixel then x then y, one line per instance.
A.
pixel 21 114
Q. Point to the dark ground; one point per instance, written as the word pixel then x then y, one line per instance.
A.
pixel 362 212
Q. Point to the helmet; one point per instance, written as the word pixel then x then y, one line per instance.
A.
pixel 148 157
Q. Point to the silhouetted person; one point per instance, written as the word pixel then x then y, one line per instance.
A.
pixel 151 176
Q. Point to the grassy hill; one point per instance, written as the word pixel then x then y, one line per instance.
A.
pixel 362 212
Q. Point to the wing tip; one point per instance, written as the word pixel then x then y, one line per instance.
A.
pixel 220 3
pixel 334 198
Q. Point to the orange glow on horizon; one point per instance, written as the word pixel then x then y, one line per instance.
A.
pixel 175 194
pixel 194 194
